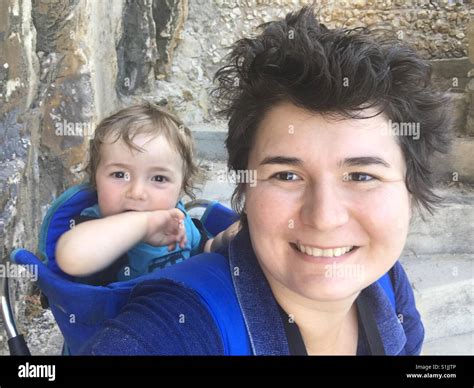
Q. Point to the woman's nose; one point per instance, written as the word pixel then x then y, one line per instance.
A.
pixel 136 190
pixel 324 208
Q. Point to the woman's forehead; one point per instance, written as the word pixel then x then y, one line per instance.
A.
pixel 292 131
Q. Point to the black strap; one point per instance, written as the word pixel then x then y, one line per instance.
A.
pixel 202 231
pixel 18 347
pixel 296 344
pixel 369 325
pixel 366 321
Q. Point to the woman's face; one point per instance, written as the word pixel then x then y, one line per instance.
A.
pixel 323 187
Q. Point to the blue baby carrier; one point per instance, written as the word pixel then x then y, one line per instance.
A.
pixel 80 309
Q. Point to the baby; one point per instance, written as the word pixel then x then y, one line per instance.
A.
pixel 141 162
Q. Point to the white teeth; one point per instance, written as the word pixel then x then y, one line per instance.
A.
pixel 324 252
pixel 328 253
pixel 317 252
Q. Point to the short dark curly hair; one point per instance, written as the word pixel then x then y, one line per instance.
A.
pixel 301 61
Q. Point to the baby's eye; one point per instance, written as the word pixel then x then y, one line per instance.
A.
pixel 286 176
pixel 120 175
pixel 359 177
pixel 159 178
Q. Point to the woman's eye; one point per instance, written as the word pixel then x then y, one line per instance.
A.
pixel 286 176
pixel 159 178
pixel 359 177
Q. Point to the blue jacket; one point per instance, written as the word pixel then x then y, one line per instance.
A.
pixel 168 317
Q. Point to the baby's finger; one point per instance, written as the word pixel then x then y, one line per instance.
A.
pixel 178 229
pixel 180 236
pixel 177 214
pixel 183 241
pixel 171 247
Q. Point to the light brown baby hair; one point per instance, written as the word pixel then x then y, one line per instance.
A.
pixel 149 119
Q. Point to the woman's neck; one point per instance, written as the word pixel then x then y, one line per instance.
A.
pixel 329 334
pixel 327 327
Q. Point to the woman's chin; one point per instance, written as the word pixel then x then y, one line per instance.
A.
pixel 329 289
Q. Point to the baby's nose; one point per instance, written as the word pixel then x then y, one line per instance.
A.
pixel 136 191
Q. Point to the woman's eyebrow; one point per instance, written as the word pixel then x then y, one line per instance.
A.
pixel 363 161
pixel 292 161
pixel 347 162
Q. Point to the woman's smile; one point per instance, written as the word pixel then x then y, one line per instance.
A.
pixel 318 256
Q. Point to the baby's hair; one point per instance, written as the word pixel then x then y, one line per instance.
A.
pixel 145 118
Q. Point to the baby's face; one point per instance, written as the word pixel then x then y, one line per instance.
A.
pixel 141 181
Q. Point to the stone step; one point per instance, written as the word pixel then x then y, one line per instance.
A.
pixel 462 344
pixel 449 230
pixel 218 186
pixel 443 285
pixel 457 162
pixel 209 140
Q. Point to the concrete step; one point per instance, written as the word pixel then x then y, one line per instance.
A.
pixel 209 141
pixel 443 285
pixel 450 229
pixel 462 344
pixel 458 160
pixel 218 185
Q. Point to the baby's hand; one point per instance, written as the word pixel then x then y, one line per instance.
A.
pixel 166 227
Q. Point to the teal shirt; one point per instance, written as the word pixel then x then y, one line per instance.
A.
pixel 145 258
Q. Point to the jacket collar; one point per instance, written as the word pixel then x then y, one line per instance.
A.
pixel 390 329
pixel 259 308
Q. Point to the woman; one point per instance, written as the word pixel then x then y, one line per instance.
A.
pixel 315 113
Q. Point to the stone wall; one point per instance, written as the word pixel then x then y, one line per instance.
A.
pixel 437 31
pixel 66 64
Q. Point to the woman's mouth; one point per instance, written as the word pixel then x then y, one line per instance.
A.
pixel 317 252
pixel 336 254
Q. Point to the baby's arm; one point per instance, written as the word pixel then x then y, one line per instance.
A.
pixel 222 238
pixel 93 245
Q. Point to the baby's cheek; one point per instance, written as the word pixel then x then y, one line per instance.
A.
pixel 165 200
pixel 108 202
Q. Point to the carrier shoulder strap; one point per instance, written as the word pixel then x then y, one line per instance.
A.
pixel 387 285
pixel 209 276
